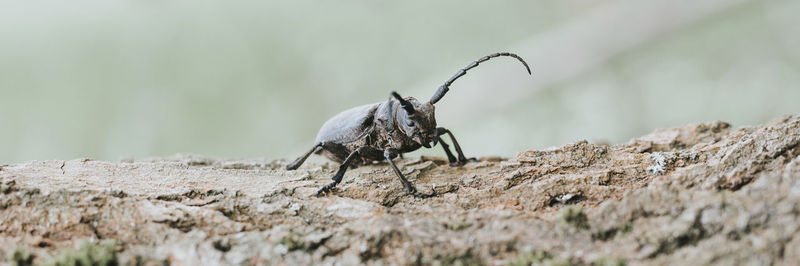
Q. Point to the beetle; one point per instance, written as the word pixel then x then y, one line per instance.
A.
pixel 384 130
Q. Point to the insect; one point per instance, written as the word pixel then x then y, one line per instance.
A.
pixel 384 130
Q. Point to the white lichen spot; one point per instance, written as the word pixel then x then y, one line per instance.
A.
pixel 564 198
pixel 659 166
pixel 281 249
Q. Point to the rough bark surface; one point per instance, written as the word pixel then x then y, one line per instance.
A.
pixel 694 195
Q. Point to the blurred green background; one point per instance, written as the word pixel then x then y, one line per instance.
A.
pixel 142 78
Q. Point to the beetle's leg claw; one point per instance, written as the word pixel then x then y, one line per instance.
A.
pixel 458 163
pixel 413 191
pixel 324 190
pixel 462 161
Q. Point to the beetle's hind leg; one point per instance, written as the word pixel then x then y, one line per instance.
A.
pixel 340 173
pixel 453 161
pixel 299 161
pixel 407 187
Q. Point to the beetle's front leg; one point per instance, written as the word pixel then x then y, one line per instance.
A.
pixel 453 161
pixel 340 173
pixel 446 148
pixel 389 154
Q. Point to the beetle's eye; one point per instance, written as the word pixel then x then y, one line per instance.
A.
pixel 409 123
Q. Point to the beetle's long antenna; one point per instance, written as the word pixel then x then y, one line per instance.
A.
pixel 405 104
pixel 446 86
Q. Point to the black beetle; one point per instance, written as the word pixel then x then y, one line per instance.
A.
pixel 379 131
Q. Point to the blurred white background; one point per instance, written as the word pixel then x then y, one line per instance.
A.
pixel 139 78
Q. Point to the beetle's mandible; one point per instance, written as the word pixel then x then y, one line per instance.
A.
pixel 384 130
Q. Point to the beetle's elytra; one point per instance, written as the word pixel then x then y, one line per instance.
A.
pixel 383 130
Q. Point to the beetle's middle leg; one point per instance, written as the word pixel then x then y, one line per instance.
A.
pixel 340 173
pixel 453 161
pixel 407 187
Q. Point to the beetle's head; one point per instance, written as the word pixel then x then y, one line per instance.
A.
pixel 416 120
